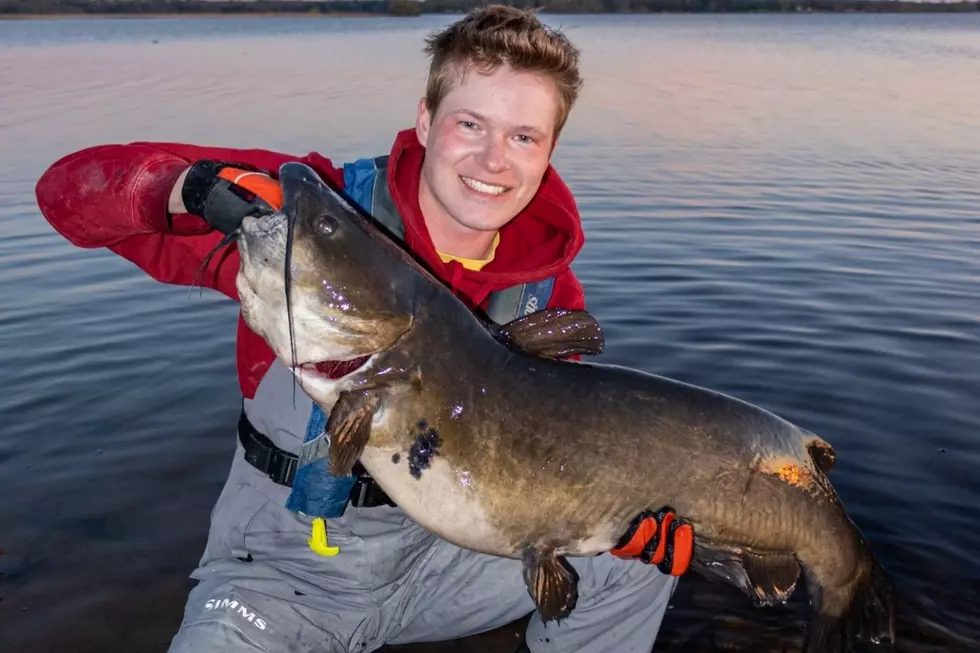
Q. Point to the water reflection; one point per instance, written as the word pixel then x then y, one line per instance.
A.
pixel 780 207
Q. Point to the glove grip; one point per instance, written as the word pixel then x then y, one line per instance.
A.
pixel 659 538
pixel 224 194
pixel 260 185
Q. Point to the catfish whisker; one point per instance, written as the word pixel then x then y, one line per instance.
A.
pixel 287 282
pixel 227 240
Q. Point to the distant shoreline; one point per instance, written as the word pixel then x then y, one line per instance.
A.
pixel 342 14
pixel 63 9
pixel 132 9
pixel 179 14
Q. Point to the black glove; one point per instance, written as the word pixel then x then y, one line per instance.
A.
pixel 224 193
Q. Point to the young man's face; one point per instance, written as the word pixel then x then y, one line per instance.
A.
pixel 487 147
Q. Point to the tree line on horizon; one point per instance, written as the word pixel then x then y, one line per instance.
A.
pixel 415 8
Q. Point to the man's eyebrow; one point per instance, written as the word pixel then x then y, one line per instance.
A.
pixel 474 114
pixel 521 128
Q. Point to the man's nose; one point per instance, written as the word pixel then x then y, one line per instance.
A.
pixel 494 154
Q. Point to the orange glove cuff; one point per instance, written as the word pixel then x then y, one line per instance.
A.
pixel 262 185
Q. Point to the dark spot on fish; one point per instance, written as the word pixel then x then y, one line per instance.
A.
pixel 396 457
pixel 426 446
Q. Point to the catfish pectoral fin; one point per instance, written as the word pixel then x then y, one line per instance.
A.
pixel 554 333
pixel 349 427
pixel 551 582
pixel 767 577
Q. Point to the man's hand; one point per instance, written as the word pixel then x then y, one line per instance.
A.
pixel 660 538
pixel 224 193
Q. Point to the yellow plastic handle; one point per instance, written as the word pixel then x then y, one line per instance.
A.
pixel 318 539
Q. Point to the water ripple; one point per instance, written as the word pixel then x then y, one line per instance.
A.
pixel 783 208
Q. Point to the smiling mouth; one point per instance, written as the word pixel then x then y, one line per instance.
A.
pixel 483 187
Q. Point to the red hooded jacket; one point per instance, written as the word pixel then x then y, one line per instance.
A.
pixel 115 196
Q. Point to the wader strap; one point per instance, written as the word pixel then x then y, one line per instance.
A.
pixel 366 182
pixel 263 454
pixel 517 301
pixel 382 204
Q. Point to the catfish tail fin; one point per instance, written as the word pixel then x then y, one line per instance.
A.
pixel 863 610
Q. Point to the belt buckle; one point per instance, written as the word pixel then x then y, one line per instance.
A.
pixel 282 468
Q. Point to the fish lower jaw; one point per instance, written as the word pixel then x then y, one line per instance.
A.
pixel 325 388
pixel 332 372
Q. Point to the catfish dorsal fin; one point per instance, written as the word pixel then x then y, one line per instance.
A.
pixel 821 453
pixel 554 333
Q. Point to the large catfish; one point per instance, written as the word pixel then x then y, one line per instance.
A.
pixel 483 436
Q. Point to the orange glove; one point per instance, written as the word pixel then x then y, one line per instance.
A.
pixel 660 538
pixel 224 193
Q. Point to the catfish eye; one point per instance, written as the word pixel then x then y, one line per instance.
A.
pixel 325 225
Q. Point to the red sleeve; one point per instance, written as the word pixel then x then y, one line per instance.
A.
pixel 115 196
pixel 568 292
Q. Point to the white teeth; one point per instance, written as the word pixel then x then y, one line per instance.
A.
pixel 482 187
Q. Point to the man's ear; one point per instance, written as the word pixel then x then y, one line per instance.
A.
pixel 423 122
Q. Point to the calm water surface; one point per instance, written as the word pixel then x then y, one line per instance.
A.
pixel 784 208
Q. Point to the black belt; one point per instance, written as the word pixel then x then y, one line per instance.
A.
pixel 262 454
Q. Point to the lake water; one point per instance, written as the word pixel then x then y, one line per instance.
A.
pixel 784 208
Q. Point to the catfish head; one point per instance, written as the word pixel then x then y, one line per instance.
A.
pixel 320 283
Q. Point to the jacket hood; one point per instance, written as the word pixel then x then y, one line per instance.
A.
pixel 540 242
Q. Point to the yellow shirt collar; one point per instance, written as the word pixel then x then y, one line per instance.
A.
pixel 473 263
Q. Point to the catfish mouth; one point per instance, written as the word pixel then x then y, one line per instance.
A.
pixel 337 338
pixel 355 347
pixel 334 370
pixel 309 365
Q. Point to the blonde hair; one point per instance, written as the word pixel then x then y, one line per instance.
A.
pixel 495 35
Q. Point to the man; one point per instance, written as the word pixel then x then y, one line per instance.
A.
pixel 297 560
